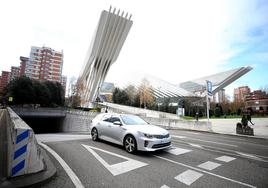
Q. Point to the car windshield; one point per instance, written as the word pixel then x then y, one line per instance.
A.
pixel 132 120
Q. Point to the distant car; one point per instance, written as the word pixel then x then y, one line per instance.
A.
pixel 130 131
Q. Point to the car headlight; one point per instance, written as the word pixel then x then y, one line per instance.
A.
pixel 149 135
pixel 146 135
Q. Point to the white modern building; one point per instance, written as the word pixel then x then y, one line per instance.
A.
pixel 110 35
pixel 193 88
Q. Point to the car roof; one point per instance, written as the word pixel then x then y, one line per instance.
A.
pixel 117 114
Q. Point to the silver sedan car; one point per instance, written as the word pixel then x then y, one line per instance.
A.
pixel 130 131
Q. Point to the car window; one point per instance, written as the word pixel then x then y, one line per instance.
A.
pixel 106 117
pixel 113 119
pixel 133 120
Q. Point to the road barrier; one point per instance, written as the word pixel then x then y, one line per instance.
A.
pixel 3 144
pixel 24 155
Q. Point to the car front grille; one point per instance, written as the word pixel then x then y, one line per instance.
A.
pixel 161 145
pixel 161 136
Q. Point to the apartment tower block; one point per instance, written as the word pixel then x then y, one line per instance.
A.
pixel 45 64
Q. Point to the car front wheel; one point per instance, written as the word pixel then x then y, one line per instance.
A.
pixel 130 144
pixel 94 134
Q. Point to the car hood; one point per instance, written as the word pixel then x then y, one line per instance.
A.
pixel 148 129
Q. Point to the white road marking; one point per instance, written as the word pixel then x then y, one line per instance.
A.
pixel 60 137
pixel 177 151
pixel 118 168
pixel 225 158
pixel 65 166
pixel 175 136
pixel 206 172
pixel 188 177
pixel 219 143
pixel 164 186
pixel 228 152
pixel 195 145
pixel 209 165
pixel 248 155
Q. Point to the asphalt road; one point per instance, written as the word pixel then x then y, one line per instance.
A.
pixel 196 160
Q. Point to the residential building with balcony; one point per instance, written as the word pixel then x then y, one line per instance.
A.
pixel 24 62
pixel 4 79
pixel 240 94
pixel 257 102
pixel 14 73
pixel 45 64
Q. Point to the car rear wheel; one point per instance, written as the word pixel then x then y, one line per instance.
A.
pixel 130 144
pixel 94 134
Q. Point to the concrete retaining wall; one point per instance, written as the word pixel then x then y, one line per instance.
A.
pixel 77 121
pixel 23 152
pixel 139 111
pixel 80 121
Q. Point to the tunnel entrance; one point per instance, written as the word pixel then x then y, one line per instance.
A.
pixel 43 125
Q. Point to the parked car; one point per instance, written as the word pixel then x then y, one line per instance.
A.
pixel 130 131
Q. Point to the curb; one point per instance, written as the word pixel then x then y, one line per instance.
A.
pixel 32 179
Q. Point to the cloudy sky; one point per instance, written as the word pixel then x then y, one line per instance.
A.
pixel 175 40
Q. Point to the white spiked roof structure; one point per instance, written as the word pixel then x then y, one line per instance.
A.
pixel 219 80
pixel 193 88
pixel 111 33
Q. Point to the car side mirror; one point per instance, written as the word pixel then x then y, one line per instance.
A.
pixel 117 123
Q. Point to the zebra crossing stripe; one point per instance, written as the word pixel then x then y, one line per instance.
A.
pixel 188 177
pixel 20 151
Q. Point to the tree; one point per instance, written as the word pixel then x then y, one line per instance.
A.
pixel 120 96
pixel 79 91
pixel 42 93
pixel 22 90
pixel 56 93
pixel 132 94
pixel 27 91
pixel 146 94
pixel 217 111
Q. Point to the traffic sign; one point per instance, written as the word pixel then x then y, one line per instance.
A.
pixel 209 88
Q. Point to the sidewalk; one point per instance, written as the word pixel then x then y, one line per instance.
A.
pixel 228 126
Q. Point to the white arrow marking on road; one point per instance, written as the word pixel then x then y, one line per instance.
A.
pixel 118 168
pixel 175 136
pixel 219 143
pixel 195 145
pixel 248 155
